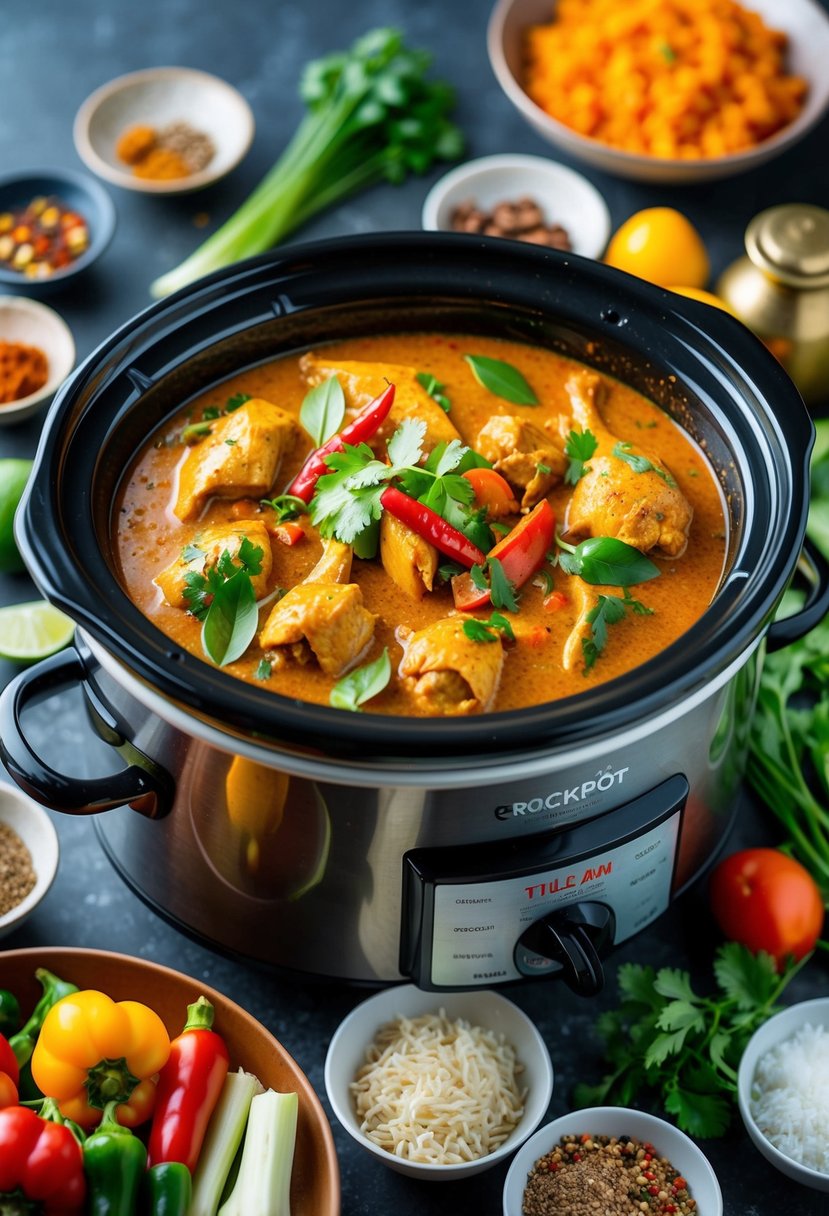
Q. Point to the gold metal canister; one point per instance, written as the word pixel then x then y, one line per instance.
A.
pixel 781 291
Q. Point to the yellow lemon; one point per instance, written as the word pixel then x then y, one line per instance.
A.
pixel 659 244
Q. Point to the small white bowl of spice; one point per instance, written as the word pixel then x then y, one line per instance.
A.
pixel 524 198
pixel 438 1085
pixel 166 130
pixel 605 1158
pixel 28 856
pixel 783 1091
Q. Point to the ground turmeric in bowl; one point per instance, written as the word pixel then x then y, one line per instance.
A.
pixel 682 79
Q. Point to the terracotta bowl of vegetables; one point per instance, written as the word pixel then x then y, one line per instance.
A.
pixel 315 1185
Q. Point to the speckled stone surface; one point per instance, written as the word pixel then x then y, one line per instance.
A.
pixel 51 57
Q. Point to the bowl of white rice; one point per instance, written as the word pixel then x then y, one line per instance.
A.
pixel 438 1085
pixel 783 1092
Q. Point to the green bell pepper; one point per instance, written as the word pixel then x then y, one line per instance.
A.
pixel 9 1013
pixel 168 1189
pixel 114 1161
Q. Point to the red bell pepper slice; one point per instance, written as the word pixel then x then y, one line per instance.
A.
pixel 521 553
pixel 41 1159
pixel 8 1060
pixel 431 526
pixel 188 1089
pixel 366 424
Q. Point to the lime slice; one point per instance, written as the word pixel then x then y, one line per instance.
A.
pixel 13 477
pixel 33 631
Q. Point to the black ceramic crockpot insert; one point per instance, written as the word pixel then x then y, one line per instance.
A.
pixel 704 368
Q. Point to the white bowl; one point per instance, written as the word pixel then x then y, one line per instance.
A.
pixel 35 829
pixel 491 1011
pixel 35 324
pixel 156 97
pixel 669 1141
pixel 564 195
pixel 782 1026
pixel 804 21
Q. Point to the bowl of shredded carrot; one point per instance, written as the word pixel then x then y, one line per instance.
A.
pixel 37 353
pixel 682 90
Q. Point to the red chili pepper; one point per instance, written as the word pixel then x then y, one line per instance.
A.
pixel 366 424
pixel 521 553
pixel 288 533
pixel 554 601
pixel 431 526
pixel 188 1089
pixel 41 1159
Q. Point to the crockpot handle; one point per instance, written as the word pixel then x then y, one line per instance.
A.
pixel 143 785
pixel 815 569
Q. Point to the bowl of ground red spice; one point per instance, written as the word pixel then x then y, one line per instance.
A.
pixel 28 856
pixel 164 130
pixel 612 1160
pixel 37 353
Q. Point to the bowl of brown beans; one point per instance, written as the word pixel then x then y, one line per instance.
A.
pixel 613 1160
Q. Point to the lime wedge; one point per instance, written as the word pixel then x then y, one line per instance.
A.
pixel 33 631
pixel 13 477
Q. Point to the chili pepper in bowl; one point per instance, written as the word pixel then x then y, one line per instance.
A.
pixel 114 1160
pixel 9 1012
pixel 40 1160
pixel 365 425
pixel 189 1087
pixel 93 1051
pixel 54 990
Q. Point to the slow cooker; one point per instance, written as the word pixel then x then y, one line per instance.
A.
pixel 461 852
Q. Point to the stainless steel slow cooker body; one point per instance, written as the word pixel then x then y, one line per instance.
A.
pixel 461 852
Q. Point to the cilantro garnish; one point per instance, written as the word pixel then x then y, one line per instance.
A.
pixel 641 464
pixel 579 446
pixel 224 601
pixel 286 506
pixel 235 401
pixel 488 631
pixel 665 1038
pixel 608 610
pixel 435 390
pixel 490 577
pixel 347 499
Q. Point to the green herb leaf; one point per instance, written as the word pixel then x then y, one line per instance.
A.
pixel 322 410
pixel 435 390
pixel 232 620
pixel 405 448
pixel 609 610
pixel 579 446
pixel 607 561
pixel 501 590
pixel 286 506
pixel 236 401
pixel 502 379
pixel 749 979
pixel 360 685
pixel 263 670
pixel 195 431
pixel 641 464
pixel 231 443
pixel 488 631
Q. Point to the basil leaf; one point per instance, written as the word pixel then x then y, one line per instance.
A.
pixel 641 464
pixel 360 685
pixel 607 561
pixel 322 410
pixel 502 379
pixel 231 621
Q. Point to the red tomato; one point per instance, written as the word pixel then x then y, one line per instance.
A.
pixel 768 901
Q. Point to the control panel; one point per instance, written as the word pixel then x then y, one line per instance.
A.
pixel 542 905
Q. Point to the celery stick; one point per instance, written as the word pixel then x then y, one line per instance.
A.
pixel 263 1184
pixel 222 1139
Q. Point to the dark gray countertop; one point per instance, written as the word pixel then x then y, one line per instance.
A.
pixel 51 57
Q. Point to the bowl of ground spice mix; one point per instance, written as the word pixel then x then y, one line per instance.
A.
pixel 164 130
pixel 37 353
pixel 611 1161
pixel 28 856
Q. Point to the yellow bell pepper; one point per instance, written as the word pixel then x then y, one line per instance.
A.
pixel 92 1050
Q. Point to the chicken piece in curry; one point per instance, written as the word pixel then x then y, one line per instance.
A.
pixel 499 528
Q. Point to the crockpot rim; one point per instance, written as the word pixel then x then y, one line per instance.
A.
pixel 189 680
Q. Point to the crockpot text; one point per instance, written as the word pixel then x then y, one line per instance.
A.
pixel 563 798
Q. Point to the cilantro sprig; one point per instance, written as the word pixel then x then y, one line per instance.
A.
pixel 667 1039
pixel 489 631
pixel 608 610
pixel 641 464
pixel 491 577
pixel 347 500
pixel 579 447
pixel 224 601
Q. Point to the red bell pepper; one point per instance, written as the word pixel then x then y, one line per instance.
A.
pixel 40 1160
pixel 188 1089
pixel 9 1074
pixel 366 424
pixel 521 553
pixel 431 526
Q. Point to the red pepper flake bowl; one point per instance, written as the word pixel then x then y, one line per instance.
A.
pixel 54 223
pixel 315 1179
pixel 666 1141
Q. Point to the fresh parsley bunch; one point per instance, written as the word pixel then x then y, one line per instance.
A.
pixel 685 1048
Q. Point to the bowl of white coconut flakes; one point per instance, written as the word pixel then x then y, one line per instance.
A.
pixel 783 1092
